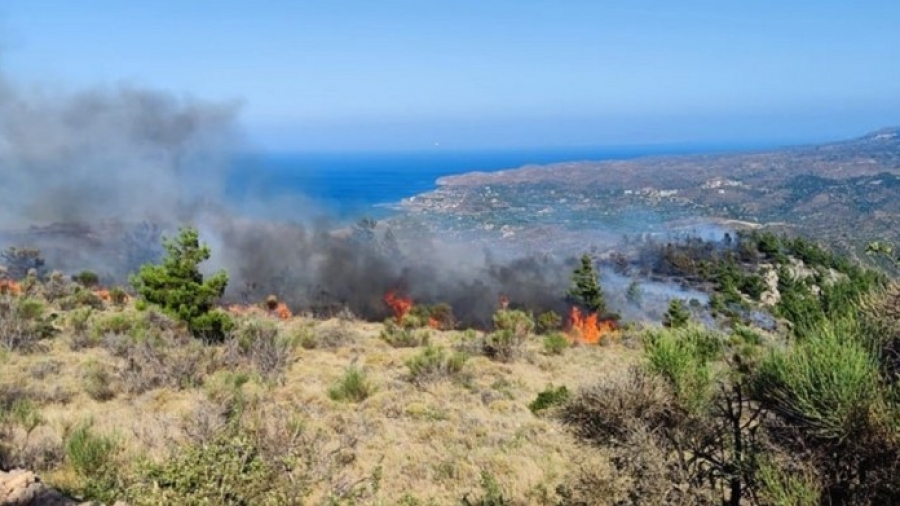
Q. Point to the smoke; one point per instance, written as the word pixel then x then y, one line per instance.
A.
pixel 95 179
pixel 123 154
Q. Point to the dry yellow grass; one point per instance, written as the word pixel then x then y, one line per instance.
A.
pixel 431 442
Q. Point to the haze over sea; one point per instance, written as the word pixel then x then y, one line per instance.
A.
pixel 347 186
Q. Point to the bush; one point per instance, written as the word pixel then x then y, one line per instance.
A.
pixel 180 289
pixel 259 341
pixel 549 398
pixel 505 344
pixel 227 471
pixel 435 363
pixel 682 357
pixel 92 458
pixel 23 324
pixel 87 279
pixel 353 386
pixel 549 322
pixel 97 382
pixel 555 344
pixel 401 336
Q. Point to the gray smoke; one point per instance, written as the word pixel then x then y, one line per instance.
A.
pixel 122 154
pixel 96 178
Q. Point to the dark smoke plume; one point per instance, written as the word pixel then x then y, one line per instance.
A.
pixel 96 178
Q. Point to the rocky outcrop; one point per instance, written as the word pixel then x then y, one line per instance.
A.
pixel 23 488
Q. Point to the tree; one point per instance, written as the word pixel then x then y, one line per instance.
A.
pixel 179 288
pixel 586 291
pixel 678 315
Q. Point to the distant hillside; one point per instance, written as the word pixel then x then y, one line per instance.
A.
pixel 844 193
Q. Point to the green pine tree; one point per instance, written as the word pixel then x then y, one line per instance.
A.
pixel 178 287
pixel 586 290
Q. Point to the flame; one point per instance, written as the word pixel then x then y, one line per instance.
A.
pixel 282 311
pixel 432 323
pixel 399 305
pixel 104 295
pixel 504 302
pixel 588 328
pixel 278 309
pixel 10 287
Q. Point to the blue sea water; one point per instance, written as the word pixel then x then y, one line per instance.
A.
pixel 346 186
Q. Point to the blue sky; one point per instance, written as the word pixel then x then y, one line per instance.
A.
pixel 419 74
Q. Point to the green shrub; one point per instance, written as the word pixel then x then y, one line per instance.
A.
pixel 829 382
pixel 92 457
pixel 434 363
pixel 783 488
pixel 87 279
pixel 682 357
pixel 228 471
pixel 518 322
pixel 549 398
pixel 402 336
pixel 677 315
pixel 353 386
pixel 549 322
pixel 555 343
pixel 179 288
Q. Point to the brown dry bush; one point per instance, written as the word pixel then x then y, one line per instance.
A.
pixel 24 324
pixel 259 343
pixel 173 360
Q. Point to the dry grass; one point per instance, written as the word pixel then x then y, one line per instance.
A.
pixel 428 441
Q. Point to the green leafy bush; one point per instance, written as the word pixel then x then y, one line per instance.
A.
pixel 555 344
pixel 434 363
pixel 402 336
pixel 227 471
pixel 682 357
pixel 549 398
pixel 353 386
pixel 92 457
pixel 549 322
pixel 179 288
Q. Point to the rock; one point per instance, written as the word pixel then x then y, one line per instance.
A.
pixel 23 488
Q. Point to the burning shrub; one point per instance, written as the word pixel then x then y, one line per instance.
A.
pixel 179 288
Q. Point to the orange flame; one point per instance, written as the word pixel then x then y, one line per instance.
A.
pixel 270 307
pixel 104 295
pixel 10 287
pixel 399 305
pixel 588 329
pixel 432 323
pixel 282 311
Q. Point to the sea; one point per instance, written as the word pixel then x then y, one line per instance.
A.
pixel 350 185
